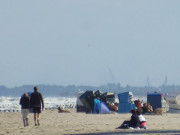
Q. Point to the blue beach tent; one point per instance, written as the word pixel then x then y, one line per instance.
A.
pixel 100 107
pixel 155 100
pixel 125 102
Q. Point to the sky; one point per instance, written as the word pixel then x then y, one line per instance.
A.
pixel 89 42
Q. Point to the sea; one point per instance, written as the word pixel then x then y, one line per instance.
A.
pixel 10 104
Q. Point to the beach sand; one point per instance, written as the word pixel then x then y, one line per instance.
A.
pixel 54 123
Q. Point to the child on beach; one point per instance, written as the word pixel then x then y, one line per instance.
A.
pixel 25 104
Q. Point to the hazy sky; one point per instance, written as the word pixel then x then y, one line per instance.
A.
pixel 89 42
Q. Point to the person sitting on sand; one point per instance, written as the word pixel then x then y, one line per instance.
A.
pixel 142 120
pixel 150 109
pixel 145 108
pixel 132 123
pixel 25 104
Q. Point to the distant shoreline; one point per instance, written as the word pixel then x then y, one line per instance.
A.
pixel 72 90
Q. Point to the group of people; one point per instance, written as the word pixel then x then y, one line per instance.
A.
pixel 34 101
pixel 137 121
pixel 146 108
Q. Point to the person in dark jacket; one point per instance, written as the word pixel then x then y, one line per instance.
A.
pixel 134 122
pixel 25 104
pixel 36 101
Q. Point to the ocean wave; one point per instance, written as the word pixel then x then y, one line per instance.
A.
pixel 12 103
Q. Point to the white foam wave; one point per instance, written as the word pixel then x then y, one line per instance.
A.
pixel 12 103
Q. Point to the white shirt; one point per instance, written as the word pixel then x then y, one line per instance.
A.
pixel 141 118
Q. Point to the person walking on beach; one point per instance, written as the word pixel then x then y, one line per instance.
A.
pixel 36 101
pixel 25 104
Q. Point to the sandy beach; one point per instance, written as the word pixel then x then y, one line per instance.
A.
pixel 54 123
